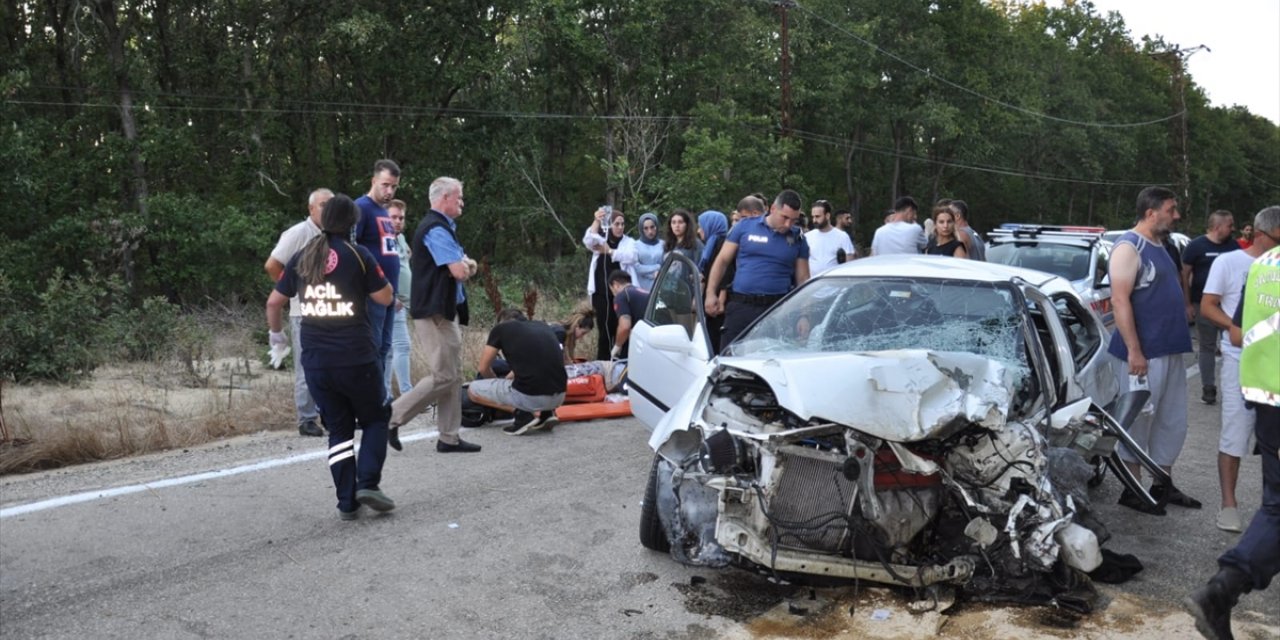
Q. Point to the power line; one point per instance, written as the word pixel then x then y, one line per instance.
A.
pixel 933 76
pixel 353 108
pixel 840 142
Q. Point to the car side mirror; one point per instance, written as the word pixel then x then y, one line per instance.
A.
pixel 1103 281
pixel 671 337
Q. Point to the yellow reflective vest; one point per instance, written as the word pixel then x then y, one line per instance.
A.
pixel 1260 348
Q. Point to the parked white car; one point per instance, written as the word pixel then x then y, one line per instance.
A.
pixel 1078 254
pixel 899 419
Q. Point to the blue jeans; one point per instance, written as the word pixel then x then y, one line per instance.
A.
pixel 382 322
pixel 401 351
pixel 1258 552
pixel 351 397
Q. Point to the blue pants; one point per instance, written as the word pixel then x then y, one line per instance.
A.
pixel 382 321
pixel 401 352
pixel 351 397
pixel 1258 553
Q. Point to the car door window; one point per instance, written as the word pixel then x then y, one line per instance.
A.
pixel 1082 334
pixel 1100 265
pixel 675 297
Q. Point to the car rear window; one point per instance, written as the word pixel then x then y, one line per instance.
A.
pixel 1070 262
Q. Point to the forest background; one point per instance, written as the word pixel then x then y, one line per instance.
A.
pixel 153 150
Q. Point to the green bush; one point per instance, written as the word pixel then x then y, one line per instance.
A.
pixel 55 334
pixel 147 333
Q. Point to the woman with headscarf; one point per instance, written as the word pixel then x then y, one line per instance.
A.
pixel 713 227
pixel 648 249
pixel 333 279
pixel 682 236
pixel 611 249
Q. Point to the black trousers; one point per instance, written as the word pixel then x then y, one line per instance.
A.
pixel 737 315
pixel 606 322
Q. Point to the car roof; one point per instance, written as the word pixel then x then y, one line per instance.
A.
pixel 944 267
pixel 1033 234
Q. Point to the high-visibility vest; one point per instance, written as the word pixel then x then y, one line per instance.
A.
pixel 1260 348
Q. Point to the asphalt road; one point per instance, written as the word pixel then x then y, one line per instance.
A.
pixel 535 537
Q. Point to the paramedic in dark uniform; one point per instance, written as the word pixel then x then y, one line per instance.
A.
pixel 333 280
pixel 771 257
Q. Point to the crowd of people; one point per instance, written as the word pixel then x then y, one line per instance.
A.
pixel 353 283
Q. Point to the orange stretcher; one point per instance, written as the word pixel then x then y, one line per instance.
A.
pixel 593 410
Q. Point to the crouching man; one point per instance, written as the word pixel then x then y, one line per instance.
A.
pixel 536 384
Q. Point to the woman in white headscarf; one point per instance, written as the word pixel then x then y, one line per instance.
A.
pixel 611 249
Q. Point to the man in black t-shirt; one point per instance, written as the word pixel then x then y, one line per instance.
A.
pixel 1196 260
pixel 629 303
pixel 536 384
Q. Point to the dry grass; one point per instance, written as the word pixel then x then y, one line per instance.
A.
pixel 129 409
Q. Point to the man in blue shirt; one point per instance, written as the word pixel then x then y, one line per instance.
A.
pixel 438 305
pixel 770 255
pixel 375 231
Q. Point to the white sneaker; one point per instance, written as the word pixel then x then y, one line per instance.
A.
pixel 1229 519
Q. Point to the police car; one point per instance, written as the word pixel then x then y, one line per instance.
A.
pixel 1078 254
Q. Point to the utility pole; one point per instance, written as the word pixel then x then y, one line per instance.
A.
pixel 1182 159
pixel 783 6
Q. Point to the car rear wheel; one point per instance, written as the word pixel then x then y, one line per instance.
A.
pixel 652 535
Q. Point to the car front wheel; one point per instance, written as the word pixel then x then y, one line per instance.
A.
pixel 652 534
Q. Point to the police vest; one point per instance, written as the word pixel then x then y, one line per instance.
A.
pixel 1260 348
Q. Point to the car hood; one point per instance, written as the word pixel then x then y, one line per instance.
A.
pixel 900 396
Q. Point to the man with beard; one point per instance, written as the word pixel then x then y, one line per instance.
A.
pixel 375 231
pixel 828 246
pixel 1150 337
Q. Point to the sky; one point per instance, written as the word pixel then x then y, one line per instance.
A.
pixel 1243 64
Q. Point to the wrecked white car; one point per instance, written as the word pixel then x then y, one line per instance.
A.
pixel 909 420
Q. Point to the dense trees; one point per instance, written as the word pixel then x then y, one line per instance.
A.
pixel 168 141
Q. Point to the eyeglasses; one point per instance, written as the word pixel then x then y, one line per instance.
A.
pixel 1268 234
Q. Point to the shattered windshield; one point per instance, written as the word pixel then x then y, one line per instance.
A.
pixel 860 314
pixel 1065 260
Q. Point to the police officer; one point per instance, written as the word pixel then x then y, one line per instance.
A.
pixel 771 256
pixel 1256 559
pixel 334 279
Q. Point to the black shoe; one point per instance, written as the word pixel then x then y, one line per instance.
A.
pixel 354 514
pixel 547 421
pixel 1211 604
pixel 1131 500
pixel 393 438
pixel 524 422
pixel 375 499
pixel 1169 494
pixel 462 447
pixel 310 428
pixel 1209 395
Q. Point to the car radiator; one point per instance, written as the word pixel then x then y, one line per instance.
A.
pixel 811 501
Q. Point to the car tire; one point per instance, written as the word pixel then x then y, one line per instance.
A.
pixel 652 534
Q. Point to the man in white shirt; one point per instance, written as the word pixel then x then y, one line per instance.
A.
pixel 1218 303
pixel 828 246
pixel 291 242
pixel 901 234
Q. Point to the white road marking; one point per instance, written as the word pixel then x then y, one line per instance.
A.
pixel 88 496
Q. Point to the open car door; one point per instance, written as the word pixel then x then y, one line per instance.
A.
pixel 670 350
